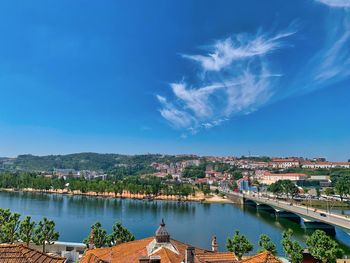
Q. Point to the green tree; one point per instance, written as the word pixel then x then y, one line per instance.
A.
pixel 292 248
pixel 323 248
pixel 119 235
pixel 10 227
pixel 266 244
pixel 45 233
pixel 239 245
pixel 205 189
pixel 99 236
pixel 329 191
pixel 342 186
pixel 283 187
pixel 194 171
pixel 26 230
pixel 4 217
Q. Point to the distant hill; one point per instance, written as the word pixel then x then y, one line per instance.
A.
pixel 86 161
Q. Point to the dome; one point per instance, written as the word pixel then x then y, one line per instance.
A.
pixel 162 235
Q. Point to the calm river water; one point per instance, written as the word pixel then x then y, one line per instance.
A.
pixel 190 222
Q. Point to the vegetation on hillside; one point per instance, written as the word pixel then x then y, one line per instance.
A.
pixel 194 171
pixel 117 163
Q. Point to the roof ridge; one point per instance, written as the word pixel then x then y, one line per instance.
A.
pixel 166 251
pixel 8 245
pixel 38 251
pixel 27 254
pixel 267 255
pixel 171 239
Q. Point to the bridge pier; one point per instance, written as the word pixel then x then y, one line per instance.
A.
pixel 288 215
pixel 264 207
pixel 314 225
pixel 249 202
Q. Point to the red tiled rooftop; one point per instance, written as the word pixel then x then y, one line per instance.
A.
pixel 287 174
pixel 12 253
pixel 132 251
pixel 263 257
pixel 219 257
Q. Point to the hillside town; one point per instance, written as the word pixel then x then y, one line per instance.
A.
pixel 252 171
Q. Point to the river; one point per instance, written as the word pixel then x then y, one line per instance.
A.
pixel 190 222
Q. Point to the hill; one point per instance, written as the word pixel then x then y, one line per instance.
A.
pixel 86 161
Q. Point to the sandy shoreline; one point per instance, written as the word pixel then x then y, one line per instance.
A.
pixel 199 197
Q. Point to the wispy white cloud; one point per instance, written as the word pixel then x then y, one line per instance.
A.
pixel 239 47
pixel 237 79
pixel 331 63
pixel 238 76
pixel 177 118
pixel 196 99
pixel 335 3
pixel 336 55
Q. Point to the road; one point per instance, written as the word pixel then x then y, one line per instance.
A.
pixel 303 211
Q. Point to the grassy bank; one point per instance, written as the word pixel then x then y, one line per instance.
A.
pixel 323 203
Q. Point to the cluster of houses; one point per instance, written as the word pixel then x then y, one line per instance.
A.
pixel 242 163
pixel 285 163
pixel 87 174
pixel 174 169
pixel 252 170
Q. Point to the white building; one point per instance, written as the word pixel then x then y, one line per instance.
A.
pixel 284 163
pixel 270 178
pixel 325 165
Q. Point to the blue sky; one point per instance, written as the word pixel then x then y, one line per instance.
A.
pixel 206 77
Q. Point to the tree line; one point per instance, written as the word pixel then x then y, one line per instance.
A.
pixel 319 245
pixel 148 185
pixel 341 186
pixel 12 229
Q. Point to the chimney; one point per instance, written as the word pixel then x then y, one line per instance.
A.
pixel 143 259
pixel 151 259
pixel 189 257
pixel 154 259
pixel 214 244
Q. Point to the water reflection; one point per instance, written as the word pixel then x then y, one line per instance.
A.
pixel 194 223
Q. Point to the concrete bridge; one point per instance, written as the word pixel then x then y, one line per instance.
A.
pixel 312 218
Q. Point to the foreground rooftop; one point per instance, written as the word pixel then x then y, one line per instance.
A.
pixel 162 249
pixel 13 253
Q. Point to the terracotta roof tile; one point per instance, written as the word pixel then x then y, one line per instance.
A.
pixel 263 257
pixel 132 251
pixel 220 257
pixel 12 253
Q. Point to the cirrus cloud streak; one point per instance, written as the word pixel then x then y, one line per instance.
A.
pixel 238 76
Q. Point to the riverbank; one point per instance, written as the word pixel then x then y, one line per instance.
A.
pixel 198 197
pixel 324 204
